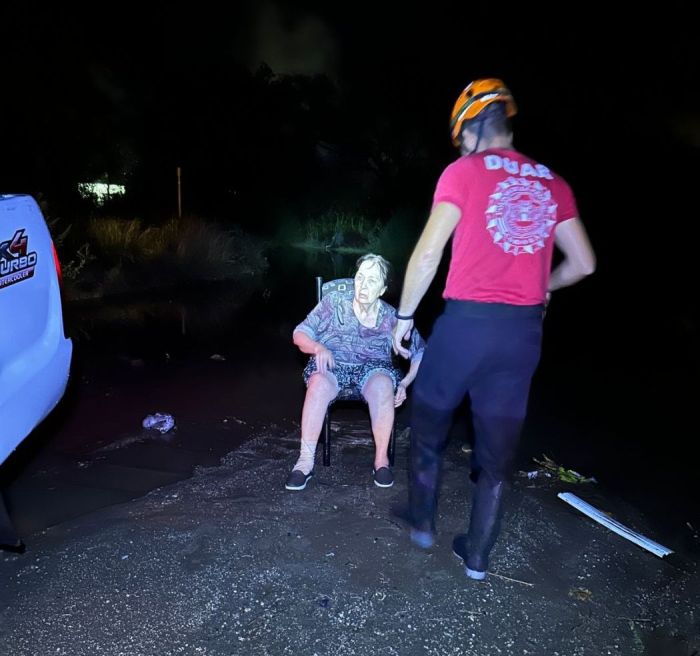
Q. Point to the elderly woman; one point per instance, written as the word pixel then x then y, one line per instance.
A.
pixel 349 341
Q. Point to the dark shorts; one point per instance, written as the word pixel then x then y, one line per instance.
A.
pixel 352 377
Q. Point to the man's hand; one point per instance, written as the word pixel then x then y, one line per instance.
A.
pixel 402 331
pixel 324 360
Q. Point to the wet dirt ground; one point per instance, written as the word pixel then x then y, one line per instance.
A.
pixel 188 543
pixel 229 562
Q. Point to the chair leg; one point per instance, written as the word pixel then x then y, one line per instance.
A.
pixel 392 444
pixel 327 440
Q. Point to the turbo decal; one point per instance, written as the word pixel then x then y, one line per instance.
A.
pixel 16 263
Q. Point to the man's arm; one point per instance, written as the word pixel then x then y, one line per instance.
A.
pixel 427 255
pixel 422 267
pixel 579 259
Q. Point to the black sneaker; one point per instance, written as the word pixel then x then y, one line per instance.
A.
pixel 459 549
pixel 383 477
pixel 297 480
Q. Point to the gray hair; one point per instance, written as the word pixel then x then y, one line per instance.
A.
pixel 384 266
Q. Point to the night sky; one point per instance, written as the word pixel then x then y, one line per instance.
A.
pixel 242 99
pixel 298 106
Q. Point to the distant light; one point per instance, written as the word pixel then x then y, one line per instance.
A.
pixel 99 192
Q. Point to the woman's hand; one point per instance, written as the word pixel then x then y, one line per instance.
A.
pixel 400 395
pixel 324 360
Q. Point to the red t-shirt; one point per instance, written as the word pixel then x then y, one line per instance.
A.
pixel 502 246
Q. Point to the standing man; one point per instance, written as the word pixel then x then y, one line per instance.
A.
pixel 506 213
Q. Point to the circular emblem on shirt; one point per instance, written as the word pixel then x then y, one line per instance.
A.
pixel 520 215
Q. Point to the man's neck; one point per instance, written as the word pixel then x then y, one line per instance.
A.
pixel 502 143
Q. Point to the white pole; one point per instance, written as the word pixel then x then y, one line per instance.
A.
pixel 615 526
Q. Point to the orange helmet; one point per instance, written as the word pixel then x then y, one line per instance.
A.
pixel 477 96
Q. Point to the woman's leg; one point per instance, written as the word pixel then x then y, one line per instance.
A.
pixel 378 391
pixel 322 388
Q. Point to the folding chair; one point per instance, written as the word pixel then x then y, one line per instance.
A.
pixel 345 286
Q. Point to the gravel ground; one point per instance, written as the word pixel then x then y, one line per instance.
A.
pixel 229 562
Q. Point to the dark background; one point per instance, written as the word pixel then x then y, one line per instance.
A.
pixel 283 108
pixel 278 108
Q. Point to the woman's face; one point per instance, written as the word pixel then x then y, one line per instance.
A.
pixel 369 283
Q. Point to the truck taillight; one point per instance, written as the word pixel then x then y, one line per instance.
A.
pixel 57 264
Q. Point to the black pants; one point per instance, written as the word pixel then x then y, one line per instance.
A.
pixel 489 351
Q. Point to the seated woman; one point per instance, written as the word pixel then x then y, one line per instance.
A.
pixel 349 341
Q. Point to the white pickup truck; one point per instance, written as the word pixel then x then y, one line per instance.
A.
pixel 35 354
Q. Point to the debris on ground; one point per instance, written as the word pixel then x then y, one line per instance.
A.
pixel 615 526
pixel 581 594
pixel 536 473
pixel 549 469
pixel 159 421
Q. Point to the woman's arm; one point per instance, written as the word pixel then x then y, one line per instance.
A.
pixel 324 358
pixel 400 395
pixel 305 343
pixel 412 370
